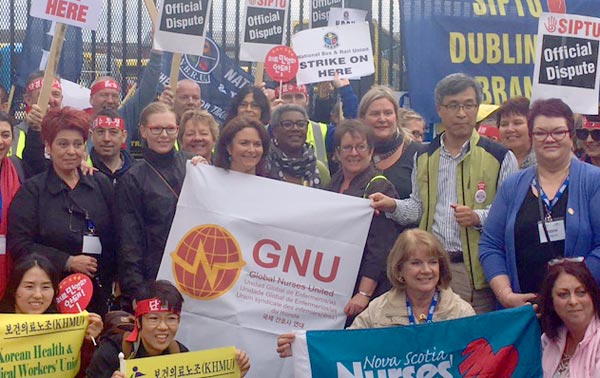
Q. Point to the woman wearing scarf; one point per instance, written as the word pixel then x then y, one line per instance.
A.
pixel 11 177
pixel 290 158
pixel 394 149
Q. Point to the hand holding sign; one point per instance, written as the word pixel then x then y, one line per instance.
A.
pixel 281 63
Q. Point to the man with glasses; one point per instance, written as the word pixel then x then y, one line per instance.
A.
pixel 108 154
pixel 589 137
pixel 454 182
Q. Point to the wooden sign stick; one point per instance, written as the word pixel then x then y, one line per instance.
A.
pixel 258 77
pixel 53 59
pixel 152 11
pixel 11 96
pixel 174 76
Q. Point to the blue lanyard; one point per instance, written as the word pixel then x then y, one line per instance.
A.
pixel 432 306
pixel 544 197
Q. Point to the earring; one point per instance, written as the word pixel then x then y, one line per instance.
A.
pixel 229 158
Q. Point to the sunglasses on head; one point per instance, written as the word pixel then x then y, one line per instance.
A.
pixel 578 259
pixel 582 134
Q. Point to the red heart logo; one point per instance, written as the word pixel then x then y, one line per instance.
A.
pixel 557 6
pixel 481 361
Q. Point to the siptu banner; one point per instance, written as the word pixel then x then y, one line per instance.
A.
pixel 567 60
pixel 259 259
pixel 46 345
pixel 200 364
pixel 264 26
pixel 467 347
pixel 494 41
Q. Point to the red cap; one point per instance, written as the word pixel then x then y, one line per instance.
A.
pixel 105 84
pixel 292 88
pixel 108 123
pixel 489 131
pixel 146 306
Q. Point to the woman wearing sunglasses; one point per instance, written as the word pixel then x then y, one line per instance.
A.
pixel 570 304
pixel 544 212
pixel 589 136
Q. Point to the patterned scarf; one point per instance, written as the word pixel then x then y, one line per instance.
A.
pixel 384 150
pixel 303 167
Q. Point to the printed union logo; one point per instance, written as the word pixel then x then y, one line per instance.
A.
pixel 551 24
pixel 207 262
pixel 199 68
pixel 331 40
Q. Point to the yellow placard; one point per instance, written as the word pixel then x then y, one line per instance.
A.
pixel 47 345
pixel 219 362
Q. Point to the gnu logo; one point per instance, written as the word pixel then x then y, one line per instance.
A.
pixel 207 262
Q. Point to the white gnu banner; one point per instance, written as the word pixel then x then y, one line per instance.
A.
pixel 255 257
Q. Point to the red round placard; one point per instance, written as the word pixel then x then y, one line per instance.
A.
pixel 281 63
pixel 74 293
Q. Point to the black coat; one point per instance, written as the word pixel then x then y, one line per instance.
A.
pixel 145 208
pixel 48 218
pixel 382 232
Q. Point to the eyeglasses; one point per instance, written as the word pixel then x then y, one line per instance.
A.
pixel 582 134
pixel 253 105
pixel 455 107
pixel 578 259
pixel 153 320
pixel 360 148
pixel 157 130
pixel 557 135
pixel 288 125
pixel 417 134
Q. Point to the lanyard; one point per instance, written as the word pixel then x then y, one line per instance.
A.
pixel 432 306
pixel 544 197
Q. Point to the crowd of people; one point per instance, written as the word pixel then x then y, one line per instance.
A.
pixel 463 224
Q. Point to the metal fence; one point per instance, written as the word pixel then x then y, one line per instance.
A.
pixel 121 45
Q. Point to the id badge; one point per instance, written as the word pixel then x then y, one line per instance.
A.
pixel 556 230
pixel 2 244
pixel 91 245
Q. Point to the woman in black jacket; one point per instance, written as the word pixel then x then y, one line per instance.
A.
pixel 64 215
pixel 146 198
pixel 354 147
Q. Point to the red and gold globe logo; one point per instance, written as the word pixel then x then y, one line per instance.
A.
pixel 207 262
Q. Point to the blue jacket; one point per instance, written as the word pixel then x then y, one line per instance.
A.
pixel 497 244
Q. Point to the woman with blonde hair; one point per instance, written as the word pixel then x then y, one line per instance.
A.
pixel 198 133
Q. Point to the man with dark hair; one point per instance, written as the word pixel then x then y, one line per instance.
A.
pixel 454 182
pixel 156 324
pixel 108 154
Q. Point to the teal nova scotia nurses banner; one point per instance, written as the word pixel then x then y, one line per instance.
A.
pixel 501 344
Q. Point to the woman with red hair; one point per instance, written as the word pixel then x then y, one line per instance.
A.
pixel 64 215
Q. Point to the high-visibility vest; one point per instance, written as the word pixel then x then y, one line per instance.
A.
pixel 315 136
pixel 21 136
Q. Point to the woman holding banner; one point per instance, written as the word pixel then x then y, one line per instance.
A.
pixel 243 147
pixel 353 143
pixel 63 214
pixel 570 306
pixel 394 149
pixel 419 269
pixel 33 288
pixel 157 323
